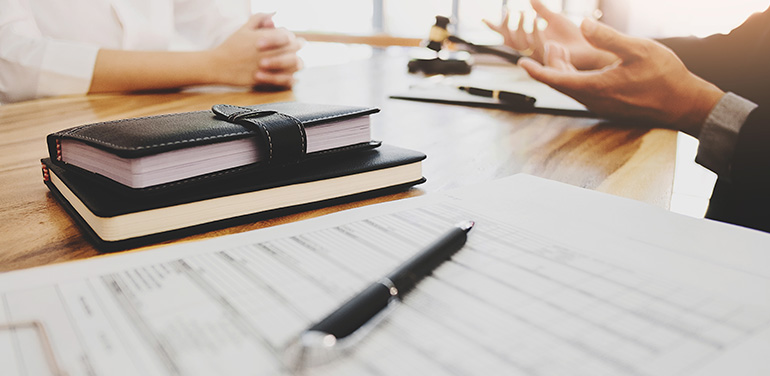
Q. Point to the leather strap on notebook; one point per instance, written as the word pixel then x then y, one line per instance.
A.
pixel 284 134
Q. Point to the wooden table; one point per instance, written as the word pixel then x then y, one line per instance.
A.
pixel 464 146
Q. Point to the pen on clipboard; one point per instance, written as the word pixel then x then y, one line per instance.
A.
pixel 361 310
pixel 507 97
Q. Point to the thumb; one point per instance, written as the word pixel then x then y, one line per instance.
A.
pixel 260 21
pixel 606 38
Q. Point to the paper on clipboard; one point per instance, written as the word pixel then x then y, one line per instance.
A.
pixel 443 89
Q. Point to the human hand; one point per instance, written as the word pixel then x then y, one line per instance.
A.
pixel 648 82
pixel 258 54
pixel 559 29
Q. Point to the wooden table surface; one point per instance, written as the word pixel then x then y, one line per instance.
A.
pixel 464 146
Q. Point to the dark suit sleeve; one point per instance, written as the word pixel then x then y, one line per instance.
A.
pixel 736 62
pixel 744 199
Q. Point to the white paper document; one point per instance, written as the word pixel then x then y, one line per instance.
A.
pixel 554 280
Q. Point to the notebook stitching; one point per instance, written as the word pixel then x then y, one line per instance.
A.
pixel 76 129
pixel 269 140
pixel 163 143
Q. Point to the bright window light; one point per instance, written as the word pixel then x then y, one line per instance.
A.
pixel 664 18
pixel 406 18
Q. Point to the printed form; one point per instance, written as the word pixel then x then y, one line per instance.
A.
pixel 554 280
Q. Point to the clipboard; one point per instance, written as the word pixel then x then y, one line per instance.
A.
pixel 444 90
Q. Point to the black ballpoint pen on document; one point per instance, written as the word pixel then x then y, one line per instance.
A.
pixel 507 97
pixel 364 306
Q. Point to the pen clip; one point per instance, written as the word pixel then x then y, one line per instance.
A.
pixel 312 349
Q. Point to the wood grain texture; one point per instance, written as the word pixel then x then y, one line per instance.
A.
pixel 464 146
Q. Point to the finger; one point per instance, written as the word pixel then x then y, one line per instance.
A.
pixel 538 40
pixel 260 20
pixel 287 50
pixel 501 28
pixel 564 81
pixel 275 38
pixel 504 22
pixel 606 38
pixel 284 80
pixel 288 62
pixel 494 27
pixel 490 25
pixel 533 68
pixel 542 10
pixel 520 37
pixel 267 23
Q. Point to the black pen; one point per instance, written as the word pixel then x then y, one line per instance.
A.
pixel 507 97
pixel 357 311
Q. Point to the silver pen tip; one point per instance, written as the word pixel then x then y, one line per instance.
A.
pixel 315 339
pixel 312 348
pixel 466 225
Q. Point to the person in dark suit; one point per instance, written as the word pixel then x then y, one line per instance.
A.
pixel 738 62
pixel 715 89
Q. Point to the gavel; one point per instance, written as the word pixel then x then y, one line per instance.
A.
pixel 439 33
pixel 440 65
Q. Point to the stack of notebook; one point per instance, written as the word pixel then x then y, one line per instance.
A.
pixel 138 181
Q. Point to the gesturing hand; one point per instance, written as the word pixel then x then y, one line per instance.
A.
pixel 559 29
pixel 647 82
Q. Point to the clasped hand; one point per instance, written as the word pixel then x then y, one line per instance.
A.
pixel 258 54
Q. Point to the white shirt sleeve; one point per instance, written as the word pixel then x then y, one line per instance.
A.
pixel 720 133
pixel 32 65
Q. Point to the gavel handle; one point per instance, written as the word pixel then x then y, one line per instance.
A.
pixel 511 55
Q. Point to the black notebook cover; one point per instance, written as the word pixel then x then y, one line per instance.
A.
pixel 137 137
pixel 107 199
pixel 152 150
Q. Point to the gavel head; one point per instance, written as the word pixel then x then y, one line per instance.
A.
pixel 438 33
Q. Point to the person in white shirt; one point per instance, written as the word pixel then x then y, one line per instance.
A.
pixel 50 48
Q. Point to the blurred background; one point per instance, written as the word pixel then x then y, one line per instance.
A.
pixel 366 23
pixel 360 24
pixel 412 19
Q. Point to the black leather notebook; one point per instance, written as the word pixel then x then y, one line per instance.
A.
pixel 116 217
pixel 153 150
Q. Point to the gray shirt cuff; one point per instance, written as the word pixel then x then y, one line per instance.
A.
pixel 720 133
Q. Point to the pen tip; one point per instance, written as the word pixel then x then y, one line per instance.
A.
pixel 466 226
pixel 311 348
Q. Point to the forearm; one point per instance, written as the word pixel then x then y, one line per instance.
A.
pixel 118 70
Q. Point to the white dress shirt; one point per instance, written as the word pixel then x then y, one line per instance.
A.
pixel 49 47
